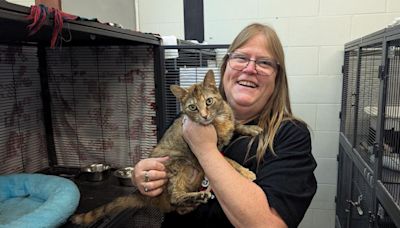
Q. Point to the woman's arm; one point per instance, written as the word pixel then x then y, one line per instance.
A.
pixel 243 202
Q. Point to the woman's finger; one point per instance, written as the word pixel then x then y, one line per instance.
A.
pixel 153 175
pixel 151 163
pixel 152 188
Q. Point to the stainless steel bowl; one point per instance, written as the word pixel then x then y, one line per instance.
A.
pixel 124 176
pixel 96 172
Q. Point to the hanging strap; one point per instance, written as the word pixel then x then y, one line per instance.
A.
pixel 40 14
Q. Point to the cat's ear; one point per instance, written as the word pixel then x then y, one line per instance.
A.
pixel 178 91
pixel 209 79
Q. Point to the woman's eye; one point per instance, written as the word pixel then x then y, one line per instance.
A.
pixel 240 58
pixel 264 63
pixel 192 107
pixel 209 101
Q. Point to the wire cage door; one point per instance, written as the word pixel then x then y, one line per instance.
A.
pixel 370 133
pixel 185 65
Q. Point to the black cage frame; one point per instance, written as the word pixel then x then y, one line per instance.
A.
pixel 195 60
pixel 14 22
pixel 368 174
pixel 81 34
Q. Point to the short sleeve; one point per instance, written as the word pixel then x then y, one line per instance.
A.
pixel 287 177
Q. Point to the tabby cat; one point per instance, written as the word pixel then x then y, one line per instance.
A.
pixel 203 104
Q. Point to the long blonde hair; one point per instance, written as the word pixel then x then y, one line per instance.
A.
pixel 277 108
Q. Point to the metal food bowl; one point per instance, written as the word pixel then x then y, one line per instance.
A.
pixel 124 176
pixel 96 172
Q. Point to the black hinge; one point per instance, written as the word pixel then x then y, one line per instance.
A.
pixel 337 157
pixel 342 69
pixel 371 217
pixel 340 115
pixel 382 72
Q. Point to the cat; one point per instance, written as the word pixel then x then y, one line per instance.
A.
pixel 202 103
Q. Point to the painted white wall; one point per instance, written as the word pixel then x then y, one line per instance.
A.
pixel 161 17
pixel 23 2
pixel 121 12
pixel 313 33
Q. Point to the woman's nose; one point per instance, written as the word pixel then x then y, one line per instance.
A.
pixel 251 67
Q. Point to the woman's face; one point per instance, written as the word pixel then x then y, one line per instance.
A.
pixel 246 91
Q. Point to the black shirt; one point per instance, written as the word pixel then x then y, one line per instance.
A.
pixel 287 178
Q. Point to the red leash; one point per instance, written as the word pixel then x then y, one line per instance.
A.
pixel 39 15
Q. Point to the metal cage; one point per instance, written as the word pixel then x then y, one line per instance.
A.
pixel 368 189
pixel 94 98
pixel 184 65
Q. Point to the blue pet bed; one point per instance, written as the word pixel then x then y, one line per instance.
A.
pixel 36 200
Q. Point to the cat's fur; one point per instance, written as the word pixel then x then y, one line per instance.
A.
pixel 203 104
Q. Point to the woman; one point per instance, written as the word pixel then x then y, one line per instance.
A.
pixel 254 83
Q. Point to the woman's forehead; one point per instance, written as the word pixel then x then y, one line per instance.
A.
pixel 257 46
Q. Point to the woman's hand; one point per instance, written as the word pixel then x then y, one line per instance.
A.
pixel 150 176
pixel 200 138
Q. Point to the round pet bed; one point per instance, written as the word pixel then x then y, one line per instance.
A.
pixel 36 200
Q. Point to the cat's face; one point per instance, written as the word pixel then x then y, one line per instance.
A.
pixel 202 106
pixel 200 102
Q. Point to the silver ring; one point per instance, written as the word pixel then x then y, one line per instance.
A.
pixel 146 176
pixel 145 189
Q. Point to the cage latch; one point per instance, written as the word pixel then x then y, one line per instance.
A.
pixel 357 205
pixel 382 72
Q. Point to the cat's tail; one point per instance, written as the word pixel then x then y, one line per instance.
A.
pixel 115 206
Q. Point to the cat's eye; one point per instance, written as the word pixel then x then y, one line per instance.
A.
pixel 209 101
pixel 192 107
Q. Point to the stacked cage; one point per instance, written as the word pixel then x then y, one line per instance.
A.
pixel 89 100
pixel 92 99
pixel 368 189
pixel 184 65
pixel 103 104
pixel 22 131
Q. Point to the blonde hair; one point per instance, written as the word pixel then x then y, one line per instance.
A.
pixel 277 108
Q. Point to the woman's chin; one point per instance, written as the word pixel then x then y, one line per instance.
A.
pixel 244 101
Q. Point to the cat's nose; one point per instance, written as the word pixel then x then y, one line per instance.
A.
pixel 204 115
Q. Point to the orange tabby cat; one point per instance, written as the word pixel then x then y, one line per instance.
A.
pixel 203 104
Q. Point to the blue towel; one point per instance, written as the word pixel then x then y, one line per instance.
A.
pixel 36 200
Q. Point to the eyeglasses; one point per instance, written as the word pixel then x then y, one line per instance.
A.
pixel 264 66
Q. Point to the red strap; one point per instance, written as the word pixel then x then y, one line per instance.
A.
pixel 39 15
pixel 59 18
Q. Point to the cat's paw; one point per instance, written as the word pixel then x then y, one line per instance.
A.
pixel 248 174
pixel 203 197
pixel 254 130
pixel 251 130
pixel 77 219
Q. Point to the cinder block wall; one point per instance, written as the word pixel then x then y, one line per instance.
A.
pixel 313 33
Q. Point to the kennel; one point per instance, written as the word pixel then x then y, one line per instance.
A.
pixel 185 64
pixel 93 98
pixel 368 188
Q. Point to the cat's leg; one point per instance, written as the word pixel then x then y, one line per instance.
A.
pixel 242 170
pixel 252 130
pixel 184 191
pixel 117 205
